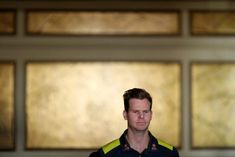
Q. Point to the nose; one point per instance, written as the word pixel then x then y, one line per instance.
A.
pixel 141 114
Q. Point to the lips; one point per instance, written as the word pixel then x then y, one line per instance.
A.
pixel 141 123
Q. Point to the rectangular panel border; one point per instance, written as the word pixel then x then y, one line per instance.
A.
pixel 177 12
pixel 83 61
pixel 14 12
pixel 193 62
pixel 213 34
pixel 14 128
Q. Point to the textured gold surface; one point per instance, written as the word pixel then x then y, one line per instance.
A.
pixel 220 22
pixel 213 104
pixel 62 22
pixel 79 104
pixel 6 106
pixel 7 22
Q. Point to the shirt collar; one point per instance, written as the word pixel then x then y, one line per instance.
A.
pixel 152 146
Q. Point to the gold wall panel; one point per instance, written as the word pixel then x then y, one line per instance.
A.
pixel 213 105
pixel 79 104
pixel 7 22
pixel 213 22
pixel 6 106
pixel 103 23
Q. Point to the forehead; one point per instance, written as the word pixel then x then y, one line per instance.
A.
pixel 139 103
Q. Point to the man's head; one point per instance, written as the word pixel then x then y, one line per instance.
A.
pixel 136 93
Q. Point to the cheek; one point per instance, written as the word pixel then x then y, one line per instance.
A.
pixel 149 118
pixel 131 117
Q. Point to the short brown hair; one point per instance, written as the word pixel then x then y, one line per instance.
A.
pixel 137 93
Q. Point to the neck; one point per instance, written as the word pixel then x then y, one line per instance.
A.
pixel 138 140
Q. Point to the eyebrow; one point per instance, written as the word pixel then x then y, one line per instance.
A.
pixel 140 110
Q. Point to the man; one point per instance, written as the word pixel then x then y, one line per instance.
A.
pixel 137 141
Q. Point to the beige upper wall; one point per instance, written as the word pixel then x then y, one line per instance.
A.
pixel 184 48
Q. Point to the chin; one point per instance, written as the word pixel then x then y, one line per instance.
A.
pixel 141 128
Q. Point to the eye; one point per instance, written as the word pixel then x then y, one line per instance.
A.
pixel 146 111
pixel 135 111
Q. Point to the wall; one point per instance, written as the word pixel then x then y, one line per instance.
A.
pixel 184 48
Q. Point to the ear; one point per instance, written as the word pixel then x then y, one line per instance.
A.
pixel 124 115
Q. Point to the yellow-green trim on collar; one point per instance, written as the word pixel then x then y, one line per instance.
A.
pixel 108 147
pixel 164 144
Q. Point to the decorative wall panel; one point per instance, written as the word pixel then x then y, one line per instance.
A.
pixel 72 105
pixel 213 22
pixel 6 105
pixel 213 109
pixel 103 22
pixel 7 22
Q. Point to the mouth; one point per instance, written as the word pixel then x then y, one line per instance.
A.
pixel 141 123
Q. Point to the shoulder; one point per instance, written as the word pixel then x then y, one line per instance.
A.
pixel 110 146
pixel 165 145
pixel 160 143
pixel 167 148
pixel 106 149
pixel 164 148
